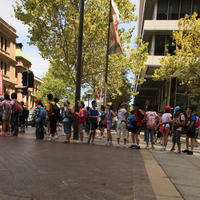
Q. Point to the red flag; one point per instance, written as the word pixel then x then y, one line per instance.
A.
pixel 115 46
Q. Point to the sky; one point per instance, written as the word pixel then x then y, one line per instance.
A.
pixel 39 65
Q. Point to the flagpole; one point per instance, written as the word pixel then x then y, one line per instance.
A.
pixel 107 58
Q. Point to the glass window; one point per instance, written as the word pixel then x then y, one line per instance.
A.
pixel 186 6
pixel 160 45
pixel 1 65
pixel 5 69
pixel 162 9
pixel 1 42
pixel 196 7
pixel 174 7
pixel 170 45
pixel 5 46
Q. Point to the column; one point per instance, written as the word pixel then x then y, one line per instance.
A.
pixel 155 10
pixel 153 42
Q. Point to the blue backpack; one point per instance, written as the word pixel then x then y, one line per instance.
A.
pixel 42 115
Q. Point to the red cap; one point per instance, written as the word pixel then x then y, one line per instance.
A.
pixel 168 108
pixel 38 101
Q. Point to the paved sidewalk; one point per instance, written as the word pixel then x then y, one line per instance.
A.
pixel 184 172
pixel 41 170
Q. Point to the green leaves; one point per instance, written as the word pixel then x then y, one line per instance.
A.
pixel 185 64
pixel 53 28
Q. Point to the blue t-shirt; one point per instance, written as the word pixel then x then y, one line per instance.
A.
pixel 131 120
pixel 193 118
pixel 93 112
pixel 102 116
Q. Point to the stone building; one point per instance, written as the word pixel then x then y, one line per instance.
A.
pixel 157 20
pixel 13 62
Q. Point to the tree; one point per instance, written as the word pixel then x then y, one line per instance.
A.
pixel 53 28
pixel 55 86
pixel 185 63
pixel 124 95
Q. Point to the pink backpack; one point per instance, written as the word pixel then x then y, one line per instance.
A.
pixel 151 120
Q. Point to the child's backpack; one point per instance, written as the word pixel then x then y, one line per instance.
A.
pixel 18 108
pixel 55 111
pixel 151 120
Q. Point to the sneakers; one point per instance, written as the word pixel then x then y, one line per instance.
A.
pixel 133 146
pixel 190 153
pixel 106 144
pixel 163 148
pixel 172 150
pixel 118 145
pixel 185 151
pixel 137 147
pixel 147 147
pixel 92 142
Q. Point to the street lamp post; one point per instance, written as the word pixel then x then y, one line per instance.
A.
pixel 79 63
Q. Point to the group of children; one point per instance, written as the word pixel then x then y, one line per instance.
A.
pixel 157 126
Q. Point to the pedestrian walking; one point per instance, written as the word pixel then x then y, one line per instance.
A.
pixel 53 113
pixel 166 123
pixel 93 115
pixel 81 119
pixel 67 114
pixel 122 117
pixel 102 122
pixel 139 116
pixel 6 113
pixel 16 109
pixel 150 117
pixel 39 115
pixel 109 115
pixel 190 131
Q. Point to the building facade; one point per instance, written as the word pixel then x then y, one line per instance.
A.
pixel 157 20
pixel 13 62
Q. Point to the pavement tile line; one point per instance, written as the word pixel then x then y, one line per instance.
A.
pixel 164 189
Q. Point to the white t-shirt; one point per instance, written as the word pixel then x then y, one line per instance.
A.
pixel 165 119
pixel 121 115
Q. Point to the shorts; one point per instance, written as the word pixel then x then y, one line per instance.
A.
pixel 121 129
pixel 5 117
pixel 67 127
pixel 109 125
pixel 93 126
pixel 177 137
pixel 191 133
pixel 165 129
pixel 136 130
pixel 80 128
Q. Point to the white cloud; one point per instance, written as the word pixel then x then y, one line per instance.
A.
pixel 39 65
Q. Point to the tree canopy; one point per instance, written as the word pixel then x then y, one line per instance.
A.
pixel 53 28
pixel 185 63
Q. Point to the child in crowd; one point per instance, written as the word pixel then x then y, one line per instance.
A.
pixel 109 115
pixel 93 115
